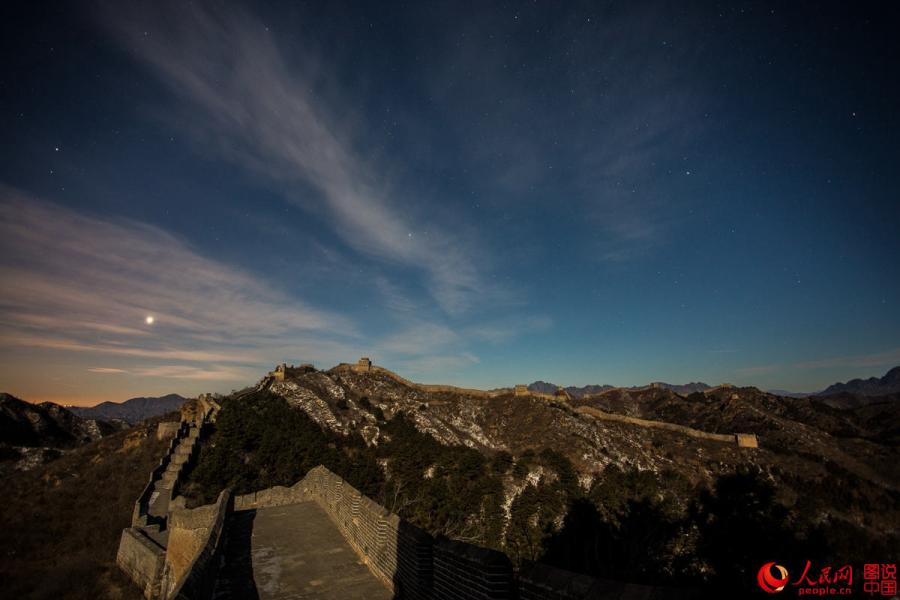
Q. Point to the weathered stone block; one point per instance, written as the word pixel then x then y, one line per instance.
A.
pixel 141 559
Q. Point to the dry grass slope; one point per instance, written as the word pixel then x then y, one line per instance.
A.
pixel 61 522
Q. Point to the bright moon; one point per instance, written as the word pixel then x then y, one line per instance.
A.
pixel 149 320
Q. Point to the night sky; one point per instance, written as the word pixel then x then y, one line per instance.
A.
pixel 482 195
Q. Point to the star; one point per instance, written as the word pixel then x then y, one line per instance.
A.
pixel 149 320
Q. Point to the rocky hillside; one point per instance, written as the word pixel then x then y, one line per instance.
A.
pixel 34 433
pixel 803 442
pixel 131 411
pixel 536 475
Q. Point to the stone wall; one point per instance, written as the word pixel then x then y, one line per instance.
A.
pixel 404 557
pixel 414 565
pixel 466 572
pixel 167 429
pixel 200 410
pixel 407 559
pixel 536 581
pixel 141 505
pixel 195 543
pixel 141 559
pixel 186 455
pixel 744 440
pixel 396 552
pixel 436 388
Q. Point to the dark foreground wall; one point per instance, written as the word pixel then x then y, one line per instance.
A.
pixel 417 566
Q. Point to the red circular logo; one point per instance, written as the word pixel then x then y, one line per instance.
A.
pixel 768 582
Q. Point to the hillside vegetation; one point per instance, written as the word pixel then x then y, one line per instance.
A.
pixel 61 522
pixel 538 501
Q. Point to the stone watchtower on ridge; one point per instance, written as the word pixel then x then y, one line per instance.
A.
pixel 283 371
pixel 363 365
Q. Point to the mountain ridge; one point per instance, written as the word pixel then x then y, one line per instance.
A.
pixel 32 434
pixel 873 386
pixel 132 410
pixel 544 387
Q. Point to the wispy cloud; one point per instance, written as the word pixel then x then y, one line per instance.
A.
pixel 502 330
pixel 421 338
pixel 213 373
pixel 243 98
pixel 84 285
pixel 599 132
pixel 427 365
pixel 750 372
pixel 878 359
pixel 888 358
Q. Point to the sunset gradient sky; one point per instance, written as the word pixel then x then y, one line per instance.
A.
pixel 581 193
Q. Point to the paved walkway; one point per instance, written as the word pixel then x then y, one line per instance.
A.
pixel 293 552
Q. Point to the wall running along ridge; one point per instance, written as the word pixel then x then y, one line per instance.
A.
pixel 178 556
pixel 743 440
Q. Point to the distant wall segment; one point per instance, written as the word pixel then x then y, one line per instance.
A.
pixel 743 440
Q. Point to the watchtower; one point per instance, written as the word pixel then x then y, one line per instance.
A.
pixel 521 389
pixel 363 365
pixel 562 393
pixel 279 372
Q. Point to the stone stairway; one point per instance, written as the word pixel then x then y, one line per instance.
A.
pixel 162 489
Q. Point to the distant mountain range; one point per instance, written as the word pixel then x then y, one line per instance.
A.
pixel 856 392
pixel 46 425
pixel 544 387
pixel 131 411
pixel 33 434
pixel 853 393
pixel 873 386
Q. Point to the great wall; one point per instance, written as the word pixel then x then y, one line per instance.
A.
pixel 364 365
pixel 172 552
